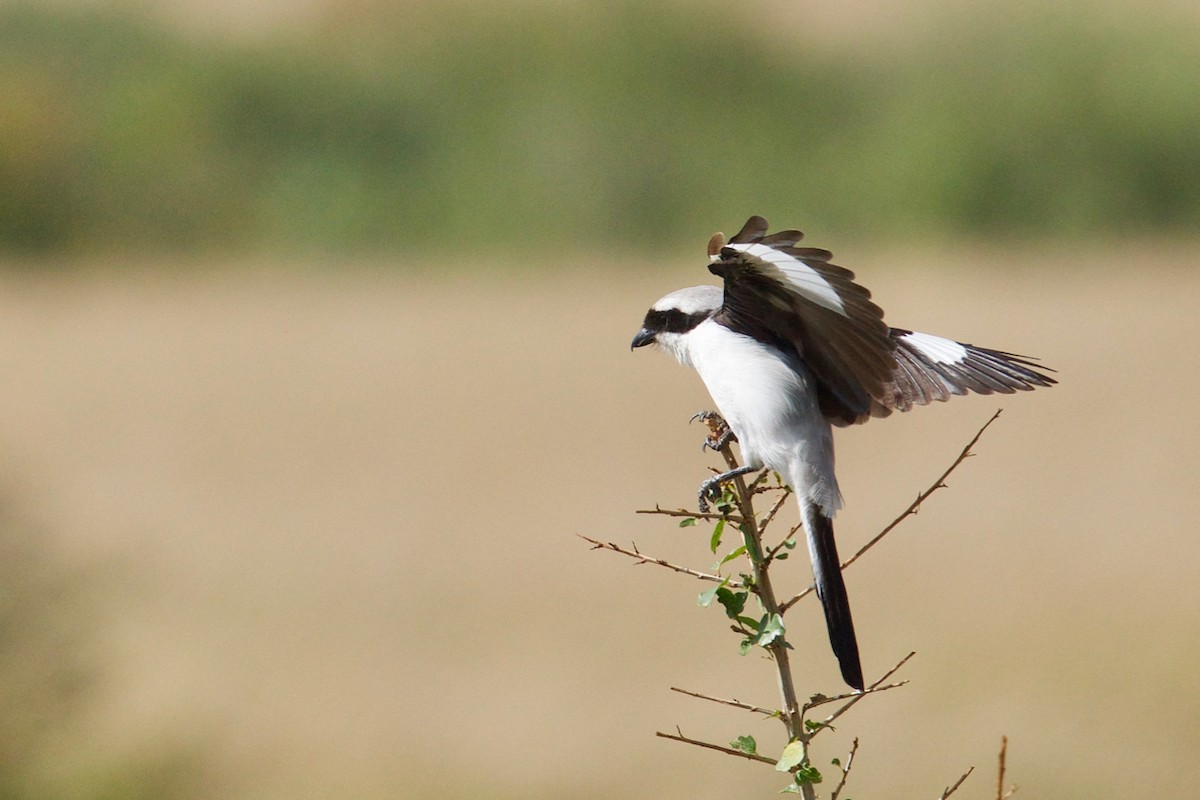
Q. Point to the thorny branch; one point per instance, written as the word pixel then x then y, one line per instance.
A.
pixel 645 559
pixel 770 712
pixel 837 792
pixel 679 737
pixel 855 697
pixel 762 587
pixel 913 508
pixel 683 512
pixel 792 713
pixel 1000 793
pixel 949 790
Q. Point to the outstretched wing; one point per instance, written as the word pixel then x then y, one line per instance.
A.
pixel 930 368
pixel 793 297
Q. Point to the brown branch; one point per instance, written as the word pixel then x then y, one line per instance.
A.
pixel 681 738
pixel 949 790
pixel 770 712
pixel 875 687
pixel 753 486
pixel 751 535
pixel 845 771
pixel 774 551
pixel 1000 793
pixel 645 559
pixel 820 700
pixel 791 713
pixel 913 508
pixel 762 526
pixel 683 512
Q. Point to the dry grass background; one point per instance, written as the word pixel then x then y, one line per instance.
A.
pixel 327 522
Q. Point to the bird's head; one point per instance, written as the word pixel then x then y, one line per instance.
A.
pixel 675 314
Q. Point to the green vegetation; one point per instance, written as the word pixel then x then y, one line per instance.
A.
pixel 542 127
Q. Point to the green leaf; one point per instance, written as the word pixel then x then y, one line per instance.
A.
pixel 706 597
pixel 745 646
pixel 813 725
pixel 745 744
pixel 733 601
pixel 808 774
pixel 792 757
pixel 770 630
pixel 837 762
pixel 687 522
pixel 732 555
pixel 718 529
pixel 791 788
pixel 781 556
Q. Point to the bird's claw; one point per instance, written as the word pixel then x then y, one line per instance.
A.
pixel 720 434
pixel 711 487
pixel 720 442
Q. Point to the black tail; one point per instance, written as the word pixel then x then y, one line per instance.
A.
pixel 827 569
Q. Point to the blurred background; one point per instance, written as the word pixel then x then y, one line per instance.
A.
pixel 315 321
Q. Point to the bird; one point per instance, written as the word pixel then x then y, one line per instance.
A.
pixel 789 348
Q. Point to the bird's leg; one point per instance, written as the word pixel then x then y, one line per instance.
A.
pixel 724 438
pixel 720 434
pixel 712 486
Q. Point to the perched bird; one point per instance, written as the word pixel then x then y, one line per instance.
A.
pixel 792 346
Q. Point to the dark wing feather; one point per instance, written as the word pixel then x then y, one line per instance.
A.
pixel 930 368
pixel 793 297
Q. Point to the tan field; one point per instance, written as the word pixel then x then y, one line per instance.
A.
pixel 320 528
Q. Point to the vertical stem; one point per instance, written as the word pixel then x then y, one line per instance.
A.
pixel 793 719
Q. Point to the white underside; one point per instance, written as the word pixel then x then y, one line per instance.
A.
pixel 769 401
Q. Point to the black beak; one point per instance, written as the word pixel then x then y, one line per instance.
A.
pixel 644 337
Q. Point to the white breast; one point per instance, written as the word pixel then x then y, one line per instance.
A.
pixel 769 401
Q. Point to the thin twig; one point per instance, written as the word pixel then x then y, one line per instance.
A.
pixel 1000 776
pixel 783 542
pixel 820 700
pixel 1000 793
pixel 877 686
pixel 645 559
pixel 754 486
pixel 913 508
pixel 770 712
pixel 683 512
pixel 762 526
pixel 939 484
pixel 949 790
pixel 845 770
pixel 681 738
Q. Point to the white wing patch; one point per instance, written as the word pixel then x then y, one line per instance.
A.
pixel 935 348
pixel 796 275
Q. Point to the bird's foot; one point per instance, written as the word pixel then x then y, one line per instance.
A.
pixel 721 441
pixel 711 488
pixel 719 432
